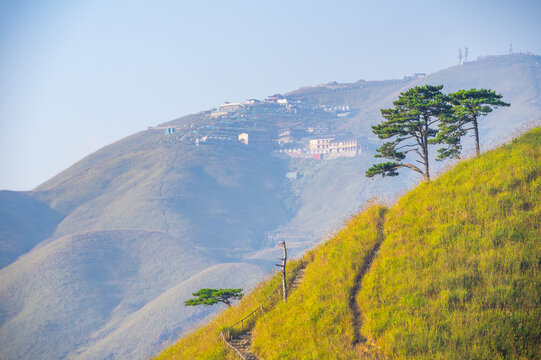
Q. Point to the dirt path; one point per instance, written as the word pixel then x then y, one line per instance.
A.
pixel 241 344
pixel 353 305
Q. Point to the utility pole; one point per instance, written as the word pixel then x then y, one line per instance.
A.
pixel 283 266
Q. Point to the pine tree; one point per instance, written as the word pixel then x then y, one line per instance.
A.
pixel 213 296
pixel 468 106
pixel 410 124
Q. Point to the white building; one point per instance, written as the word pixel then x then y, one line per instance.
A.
pixel 334 146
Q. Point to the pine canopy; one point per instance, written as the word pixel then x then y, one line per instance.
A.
pixel 208 296
pixel 410 125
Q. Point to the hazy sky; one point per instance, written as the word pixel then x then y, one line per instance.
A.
pixel 77 75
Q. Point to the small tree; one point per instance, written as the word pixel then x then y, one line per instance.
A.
pixel 214 296
pixel 410 123
pixel 468 106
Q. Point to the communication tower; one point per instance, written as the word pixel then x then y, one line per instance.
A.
pixel 460 56
pixel 465 54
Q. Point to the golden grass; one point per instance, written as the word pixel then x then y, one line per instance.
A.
pixel 316 322
pixel 459 273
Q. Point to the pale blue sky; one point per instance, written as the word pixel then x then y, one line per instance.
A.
pixel 77 75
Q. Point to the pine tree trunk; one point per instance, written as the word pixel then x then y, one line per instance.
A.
pixel 427 169
pixel 425 153
pixel 476 131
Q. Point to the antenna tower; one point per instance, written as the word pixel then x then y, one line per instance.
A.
pixel 465 54
pixel 510 49
pixel 460 56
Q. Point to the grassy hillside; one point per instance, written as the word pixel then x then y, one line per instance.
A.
pixel 316 322
pixel 458 275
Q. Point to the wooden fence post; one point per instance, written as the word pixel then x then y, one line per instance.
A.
pixel 283 266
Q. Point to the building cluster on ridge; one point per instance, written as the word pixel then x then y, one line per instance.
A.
pixel 282 125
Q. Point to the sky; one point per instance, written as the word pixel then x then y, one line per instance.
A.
pixel 78 75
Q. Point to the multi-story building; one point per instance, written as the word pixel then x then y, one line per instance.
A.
pixel 343 146
pixel 320 145
pixel 334 146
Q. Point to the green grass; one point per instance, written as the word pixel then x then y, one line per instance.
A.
pixel 459 274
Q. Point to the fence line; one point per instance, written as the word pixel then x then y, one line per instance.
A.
pixel 254 312
pixel 260 307
pixel 232 347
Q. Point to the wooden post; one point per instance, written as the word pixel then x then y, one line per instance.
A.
pixel 283 266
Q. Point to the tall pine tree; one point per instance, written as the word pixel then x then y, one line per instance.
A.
pixel 468 106
pixel 410 126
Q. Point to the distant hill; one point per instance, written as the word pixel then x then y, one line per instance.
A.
pixel 451 271
pixel 97 260
pixel 24 223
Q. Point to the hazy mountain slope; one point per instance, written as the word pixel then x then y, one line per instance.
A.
pixel 327 193
pixel 516 77
pixel 179 189
pixel 163 318
pixel 93 175
pixel 229 202
pixel 75 285
pixel 24 222
pixel 214 199
pixel 365 97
